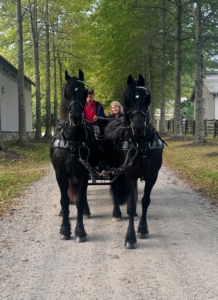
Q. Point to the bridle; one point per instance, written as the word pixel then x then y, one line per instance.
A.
pixel 144 114
pixel 75 102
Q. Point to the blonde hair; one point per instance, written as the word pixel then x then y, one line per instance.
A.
pixel 116 103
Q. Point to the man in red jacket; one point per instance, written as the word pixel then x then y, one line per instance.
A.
pixel 94 111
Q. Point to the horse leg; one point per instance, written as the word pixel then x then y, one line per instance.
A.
pixel 130 240
pixel 86 210
pixel 143 227
pixel 80 204
pixel 65 229
pixel 136 200
pixel 116 215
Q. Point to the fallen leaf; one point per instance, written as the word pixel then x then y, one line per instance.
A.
pixel 115 257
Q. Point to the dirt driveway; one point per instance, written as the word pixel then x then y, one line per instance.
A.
pixel 178 261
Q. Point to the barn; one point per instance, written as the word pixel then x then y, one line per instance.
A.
pixel 9 101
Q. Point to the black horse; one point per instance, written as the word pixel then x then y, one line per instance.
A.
pixel 133 150
pixel 73 154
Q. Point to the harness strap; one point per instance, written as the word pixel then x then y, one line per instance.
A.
pixel 141 147
pixel 66 144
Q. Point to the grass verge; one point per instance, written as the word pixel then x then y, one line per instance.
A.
pixel 20 165
pixel 198 164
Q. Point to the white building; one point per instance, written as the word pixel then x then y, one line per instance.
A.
pixel 9 101
pixel 210 94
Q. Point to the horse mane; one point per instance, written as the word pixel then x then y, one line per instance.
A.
pixel 63 107
pixel 67 94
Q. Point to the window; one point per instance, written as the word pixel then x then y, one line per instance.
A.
pixel 5 71
pixel 13 76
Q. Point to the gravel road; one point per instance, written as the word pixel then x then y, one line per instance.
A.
pixel 178 261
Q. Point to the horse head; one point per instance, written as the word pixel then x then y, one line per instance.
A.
pixel 75 97
pixel 136 101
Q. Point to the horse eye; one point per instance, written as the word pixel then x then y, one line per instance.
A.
pixel 76 89
pixel 137 96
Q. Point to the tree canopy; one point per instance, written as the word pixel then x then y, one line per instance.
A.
pixel 109 40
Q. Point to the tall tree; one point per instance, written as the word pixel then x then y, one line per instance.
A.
pixel 199 102
pixel 163 73
pixel 47 68
pixel 54 81
pixel 177 70
pixel 21 96
pixel 35 47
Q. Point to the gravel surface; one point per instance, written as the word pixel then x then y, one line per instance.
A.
pixel 178 261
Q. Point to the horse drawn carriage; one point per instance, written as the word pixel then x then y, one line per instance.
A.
pixel 130 149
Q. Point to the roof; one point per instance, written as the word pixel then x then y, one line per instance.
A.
pixel 8 63
pixel 212 85
pixel 211 71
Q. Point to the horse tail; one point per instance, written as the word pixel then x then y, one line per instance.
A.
pixel 119 191
pixel 72 191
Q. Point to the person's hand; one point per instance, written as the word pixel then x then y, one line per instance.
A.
pixel 95 118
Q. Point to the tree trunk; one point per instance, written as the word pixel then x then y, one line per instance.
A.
pixel 60 77
pixel 163 75
pixel 199 101
pixel 34 36
pixel 177 73
pixel 21 96
pixel 48 101
pixel 151 87
pixel 54 83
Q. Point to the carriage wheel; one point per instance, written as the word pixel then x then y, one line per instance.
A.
pixel 136 193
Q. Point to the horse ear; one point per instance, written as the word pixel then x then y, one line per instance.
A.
pixel 129 79
pixel 67 76
pixel 141 81
pixel 81 75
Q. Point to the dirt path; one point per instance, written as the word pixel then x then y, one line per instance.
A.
pixel 179 261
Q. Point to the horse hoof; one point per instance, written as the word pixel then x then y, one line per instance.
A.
pixel 65 237
pixel 116 219
pixel 131 246
pixel 86 217
pixel 81 239
pixel 143 236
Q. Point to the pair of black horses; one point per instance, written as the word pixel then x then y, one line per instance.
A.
pixel 132 150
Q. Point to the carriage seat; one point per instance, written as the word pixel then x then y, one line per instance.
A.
pixel 99 131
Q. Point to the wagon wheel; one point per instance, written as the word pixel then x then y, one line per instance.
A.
pixel 136 193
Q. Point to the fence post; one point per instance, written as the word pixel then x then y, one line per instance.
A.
pixel 186 126
pixel 215 125
pixel 205 127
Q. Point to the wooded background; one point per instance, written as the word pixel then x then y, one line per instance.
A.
pixel 169 42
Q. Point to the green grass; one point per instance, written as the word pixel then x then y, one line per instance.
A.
pixel 20 165
pixel 197 164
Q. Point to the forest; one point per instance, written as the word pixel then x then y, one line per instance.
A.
pixel 170 42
